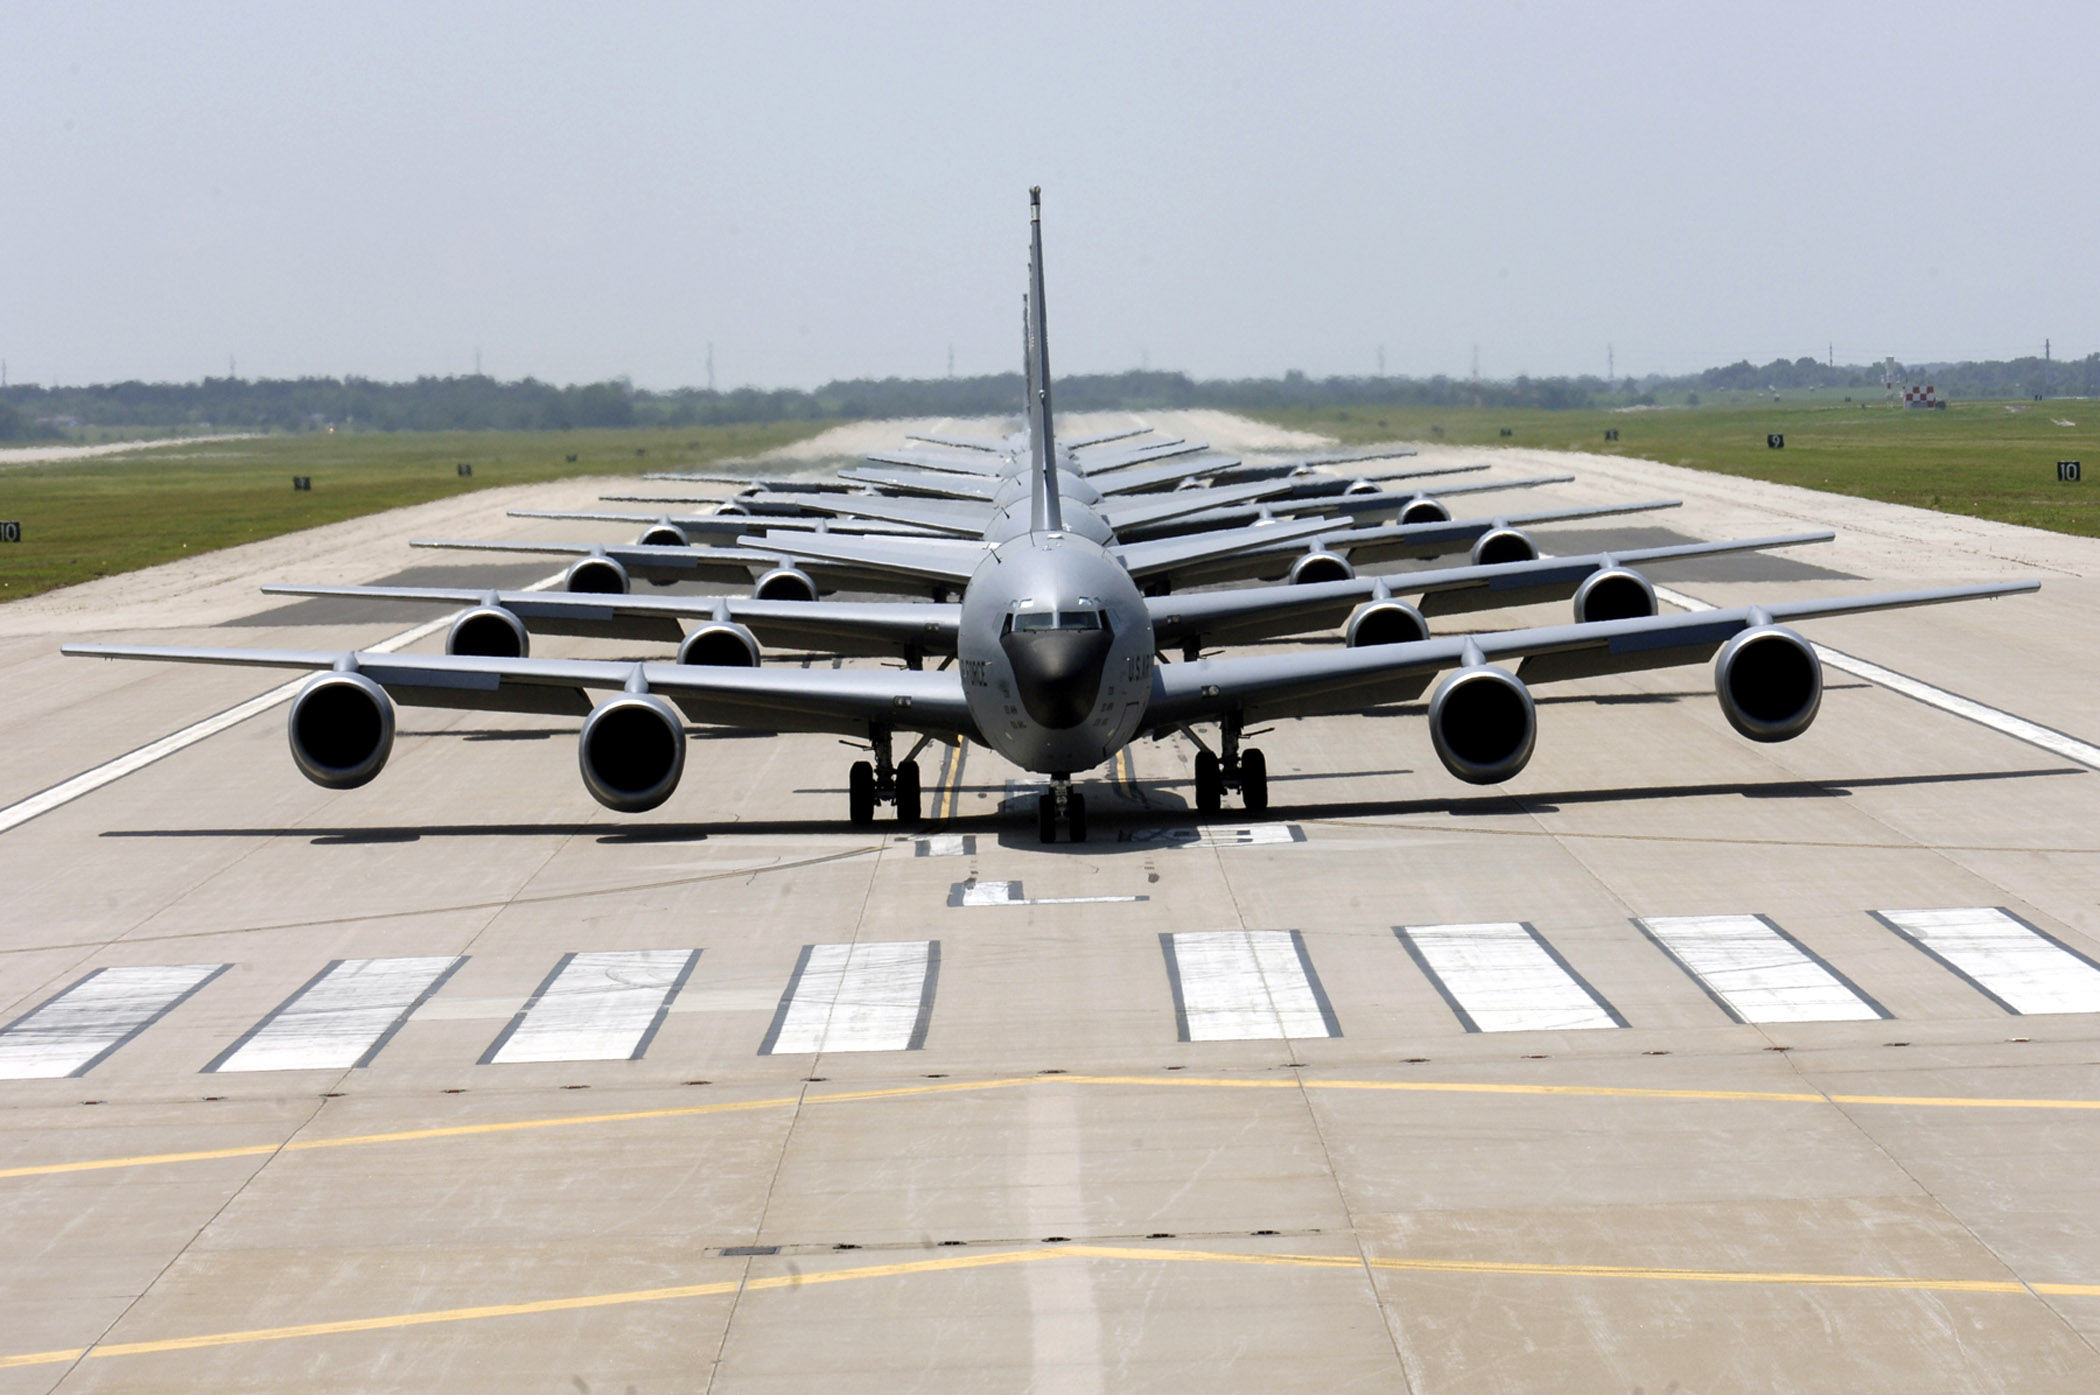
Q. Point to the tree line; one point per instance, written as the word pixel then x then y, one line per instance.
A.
pixel 479 403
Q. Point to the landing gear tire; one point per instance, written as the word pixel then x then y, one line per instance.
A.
pixel 860 794
pixel 1075 817
pixel 908 803
pixel 1046 819
pixel 1210 783
pixel 1254 780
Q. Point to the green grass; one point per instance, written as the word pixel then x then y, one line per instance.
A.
pixel 90 518
pixel 1974 458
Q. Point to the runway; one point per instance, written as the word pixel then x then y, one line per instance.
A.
pixel 1678 1062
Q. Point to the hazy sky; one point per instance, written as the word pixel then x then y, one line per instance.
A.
pixel 579 191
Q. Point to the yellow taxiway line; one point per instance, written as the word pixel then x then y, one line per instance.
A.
pixel 1432 1087
pixel 1002 1258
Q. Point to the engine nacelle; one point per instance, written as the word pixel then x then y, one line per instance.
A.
pixel 632 752
pixel 1318 566
pixel 596 576
pixel 489 631
pixel 1384 622
pixel 664 535
pixel 1613 593
pixel 1499 545
pixel 342 730
pixel 1483 724
pixel 720 644
pixel 785 584
pixel 1425 511
pixel 732 507
pixel 1770 683
pixel 1361 487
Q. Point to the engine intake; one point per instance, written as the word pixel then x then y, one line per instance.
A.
pixel 1483 724
pixel 720 644
pixel 596 576
pixel 664 535
pixel 1425 511
pixel 489 631
pixel 1360 486
pixel 632 752
pixel 342 730
pixel 785 584
pixel 1613 593
pixel 1385 622
pixel 1770 683
pixel 1318 566
pixel 1499 545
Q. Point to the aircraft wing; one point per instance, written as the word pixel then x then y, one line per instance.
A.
pixel 1326 495
pixel 723 525
pixel 946 561
pixel 847 700
pixel 1151 509
pixel 941 484
pixel 962 518
pixel 1270 687
pixel 1265 612
pixel 977 443
pixel 1150 454
pixel 1105 437
pixel 1146 559
pixel 838 627
pixel 994 465
pixel 803 484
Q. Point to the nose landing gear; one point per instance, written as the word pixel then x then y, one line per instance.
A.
pixel 1060 801
pixel 1246 771
pixel 883 782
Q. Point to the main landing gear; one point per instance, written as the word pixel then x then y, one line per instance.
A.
pixel 1060 801
pixel 1246 771
pixel 869 783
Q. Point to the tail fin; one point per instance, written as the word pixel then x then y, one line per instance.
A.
pixel 1048 512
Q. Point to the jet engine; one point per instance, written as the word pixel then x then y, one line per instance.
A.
pixel 1499 545
pixel 1770 683
pixel 632 752
pixel 1425 510
pixel 490 631
pixel 733 508
pixel 1384 622
pixel 342 730
pixel 664 534
pixel 1483 724
pixel 597 576
pixel 1320 565
pixel 1361 487
pixel 720 644
pixel 785 584
pixel 1613 593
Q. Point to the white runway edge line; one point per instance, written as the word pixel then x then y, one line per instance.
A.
pixel 76 1029
pixel 863 997
pixel 2019 728
pixel 87 782
pixel 2014 964
pixel 341 1018
pixel 1501 976
pixel 1756 971
pixel 602 1006
pixel 1245 985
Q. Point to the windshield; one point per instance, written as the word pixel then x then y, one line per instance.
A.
pixel 1029 621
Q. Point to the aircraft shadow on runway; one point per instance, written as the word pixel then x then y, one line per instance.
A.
pixel 1164 808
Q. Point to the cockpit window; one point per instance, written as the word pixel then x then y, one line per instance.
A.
pixel 1078 620
pixel 1035 620
pixel 1031 621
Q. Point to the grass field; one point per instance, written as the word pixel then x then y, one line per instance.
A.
pixel 1989 459
pixel 90 518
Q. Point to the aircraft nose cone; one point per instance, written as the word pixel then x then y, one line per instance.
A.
pixel 1058 672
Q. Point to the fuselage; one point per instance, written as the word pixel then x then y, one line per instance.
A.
pixel 1056 651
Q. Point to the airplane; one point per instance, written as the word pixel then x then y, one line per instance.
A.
pixel 1056 672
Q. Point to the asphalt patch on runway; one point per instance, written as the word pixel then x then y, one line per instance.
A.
pixel 1784 565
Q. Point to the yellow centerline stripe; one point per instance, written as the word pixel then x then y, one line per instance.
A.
pixel 1001 1258
pixel 1445 1087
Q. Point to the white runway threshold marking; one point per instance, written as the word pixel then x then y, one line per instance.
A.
pixel 2019 728
pixel 341 1018
pixel 1245 985
pixel 1756 971
pixel 1500 976
pixel 1217 835
pixel 2011 962
pixel 863 997
pixel 603 1006
pixel 976 893
pixel 73 1031
pixel 87 782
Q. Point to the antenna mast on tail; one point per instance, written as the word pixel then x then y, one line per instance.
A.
pixel 1048 514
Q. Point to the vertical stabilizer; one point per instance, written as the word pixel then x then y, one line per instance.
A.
pixel 1048 513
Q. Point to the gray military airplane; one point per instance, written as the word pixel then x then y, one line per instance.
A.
pixel 1057 674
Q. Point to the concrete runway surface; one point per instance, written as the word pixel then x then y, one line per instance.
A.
pixel 1677 1064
